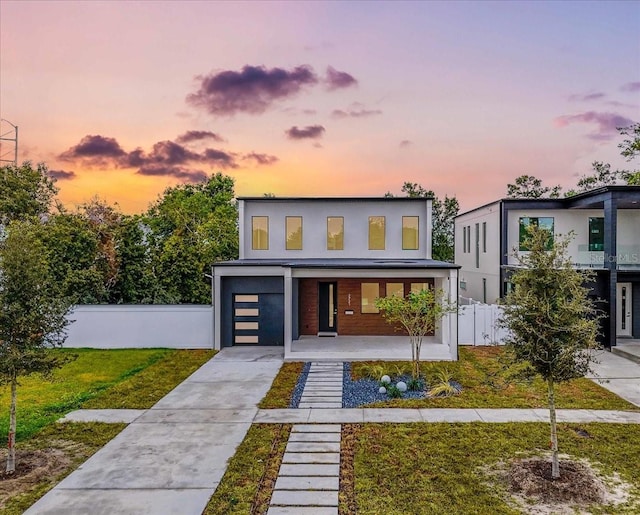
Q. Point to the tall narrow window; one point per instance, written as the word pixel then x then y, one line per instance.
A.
pixel 260 232
pixel 468 238
pixel 294 232
pixel 484 237
pixel 335 233
pixel 545 223
pixel 484 290
pixel 376 232
pixel 477 245
pixel 369 292
pixel 464 239
pixel 596 233
pixel 410 232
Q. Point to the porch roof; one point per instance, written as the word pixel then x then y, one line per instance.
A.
pixel 343 263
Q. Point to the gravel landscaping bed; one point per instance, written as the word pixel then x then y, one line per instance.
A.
pixel 297 391
pixel 365 391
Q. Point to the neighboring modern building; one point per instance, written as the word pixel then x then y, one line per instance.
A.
pixel 310 268
pixel 605 223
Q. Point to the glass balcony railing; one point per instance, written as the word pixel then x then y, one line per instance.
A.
pixel 627 257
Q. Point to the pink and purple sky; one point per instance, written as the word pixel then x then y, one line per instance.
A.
pixel 123 99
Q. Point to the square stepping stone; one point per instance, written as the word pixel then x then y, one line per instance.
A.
pixel 314 437
pixel 313 447
pixel 311 457
pixel 309 470
pixel 307 483
pixel 316 428
pixel 304 498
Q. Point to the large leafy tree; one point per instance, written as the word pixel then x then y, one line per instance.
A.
pixel 190 227
pixel 25 191
pixel 528 186
pixel 552 323
pixel 32 314
pixel 419 314
pixel 443 213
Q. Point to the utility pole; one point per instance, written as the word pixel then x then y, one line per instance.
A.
pixel 9 135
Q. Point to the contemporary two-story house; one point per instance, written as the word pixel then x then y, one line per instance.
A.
pixel 606 227
pixel 310 269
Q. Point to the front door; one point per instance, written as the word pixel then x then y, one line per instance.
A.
pixel 328 307
pixel 623 315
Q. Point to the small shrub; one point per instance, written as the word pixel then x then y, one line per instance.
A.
pixel 373 370
pixel 445 386
pixel 393 391
pixel 415 385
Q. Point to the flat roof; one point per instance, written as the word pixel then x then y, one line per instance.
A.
pixel 335 199
pixel 347 263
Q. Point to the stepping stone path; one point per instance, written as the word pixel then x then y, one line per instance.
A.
pixel 323 388
pixel 309 476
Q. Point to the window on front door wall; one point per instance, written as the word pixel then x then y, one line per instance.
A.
pixel 260 232
pixel 395 289
pixel 369 292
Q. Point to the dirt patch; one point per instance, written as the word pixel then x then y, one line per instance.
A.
pixel 529 485
pixel 32 468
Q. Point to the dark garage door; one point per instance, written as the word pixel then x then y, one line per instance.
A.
pixel 258 319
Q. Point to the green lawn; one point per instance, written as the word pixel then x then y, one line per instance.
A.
pixel 281 391
pixel 98 378
pixel 438 468
pixel 487 384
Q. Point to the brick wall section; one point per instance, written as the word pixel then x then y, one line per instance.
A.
pixel 358 324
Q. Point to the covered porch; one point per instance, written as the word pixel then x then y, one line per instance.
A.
pixel 365 348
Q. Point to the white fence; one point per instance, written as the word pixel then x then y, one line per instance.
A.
pixel 478 325
pixel 141 326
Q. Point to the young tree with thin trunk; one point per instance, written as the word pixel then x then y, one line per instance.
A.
pixel 32 316
pixel 552 323
pixel 419 314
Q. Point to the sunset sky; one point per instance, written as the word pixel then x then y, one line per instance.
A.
pixel 123 99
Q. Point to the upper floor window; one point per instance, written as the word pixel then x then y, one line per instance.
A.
pixel 294 232
pixel 545 223
pixel 464 239
pixel 260 232
pixel 376 232
pixel 410 232
pixel 335 233
pixel 596 233
pixel 484 237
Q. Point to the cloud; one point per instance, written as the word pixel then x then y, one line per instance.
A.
pixel 166 158
pixel 586 97
pixel 606 123
pixel 94 149
pixel 190 136
pixel 62 175
pixel 160 170
pixel 355 110
pixel 309 132
pixel 252 90
pixel 294 111
pixel 406 143
pixel 631 86
pixel 261 159
pixel 338 80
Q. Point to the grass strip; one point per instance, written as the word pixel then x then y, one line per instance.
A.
pixel 437 468
pixel 248 482
pixel 281 391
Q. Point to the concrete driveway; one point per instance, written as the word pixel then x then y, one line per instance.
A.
pixel 619 375
pixel 171 458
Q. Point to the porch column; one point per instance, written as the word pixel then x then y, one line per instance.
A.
pixel 288 307
pixel 611 264
pixel 453 317
pixel 217 314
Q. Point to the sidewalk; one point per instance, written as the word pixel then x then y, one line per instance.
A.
pixel 171 458
pixel 618 375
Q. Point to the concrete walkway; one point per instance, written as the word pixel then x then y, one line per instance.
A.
pixel 171 458
pixel 618 375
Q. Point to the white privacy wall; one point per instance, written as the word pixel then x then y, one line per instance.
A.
pixel 125 326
